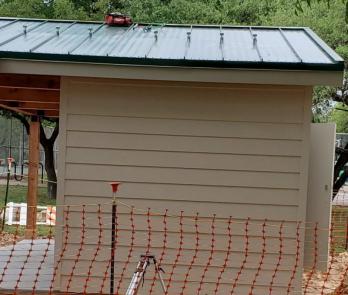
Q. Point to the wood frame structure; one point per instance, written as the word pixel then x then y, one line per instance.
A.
pixel 34 96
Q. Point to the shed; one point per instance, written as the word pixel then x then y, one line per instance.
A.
pixel 208 119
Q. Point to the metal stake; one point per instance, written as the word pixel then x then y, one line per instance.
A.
pixel 114 186
pixel 9 165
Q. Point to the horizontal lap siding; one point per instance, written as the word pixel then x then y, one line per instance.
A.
pixel 233 151
pixel 79 191
pixel 184 143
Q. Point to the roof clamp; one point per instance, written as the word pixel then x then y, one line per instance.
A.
pixel 90 32
pixel 58 30
pixel 254 40
pixel 188 37
pixel 25 29
pixel 156 35
pixel 221 38
pixel 147 29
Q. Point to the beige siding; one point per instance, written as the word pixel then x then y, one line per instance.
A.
pixel 236 151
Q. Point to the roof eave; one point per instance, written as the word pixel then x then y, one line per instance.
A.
pixel 174 73
pixel 142 61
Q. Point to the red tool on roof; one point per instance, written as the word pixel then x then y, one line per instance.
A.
pixel 118 19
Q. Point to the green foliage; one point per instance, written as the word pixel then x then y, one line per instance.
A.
pixel 42 230
pixel 28 8
pixel 65 9
pixel 341 118
pixel 322 104
pixel 41 9
pixel 299 5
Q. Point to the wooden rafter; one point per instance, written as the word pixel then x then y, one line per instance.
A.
pixel 32 95
pixel 30 81
pixel 38 106
pixel 14 109
pixel 49 113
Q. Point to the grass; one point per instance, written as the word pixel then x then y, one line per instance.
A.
pixel 18 194
pixel 42 230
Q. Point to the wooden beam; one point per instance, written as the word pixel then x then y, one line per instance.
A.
pixel 31 106
pixel 30 81
pixel 46 114
pixel 49 114
pixel 28 95
pixel 34 140
pixel 38 106
pixel 14 109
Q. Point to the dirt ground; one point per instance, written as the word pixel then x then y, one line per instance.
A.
pixel 6 239
pixel 339 265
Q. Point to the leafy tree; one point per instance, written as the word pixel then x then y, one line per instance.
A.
pixel 28 8
pixel 340 116
pixel 299 5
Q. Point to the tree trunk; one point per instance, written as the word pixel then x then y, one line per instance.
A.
pixel 340 179
pixel 48 146
pixel 50 171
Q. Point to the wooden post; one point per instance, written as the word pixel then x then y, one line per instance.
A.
pixel 34 142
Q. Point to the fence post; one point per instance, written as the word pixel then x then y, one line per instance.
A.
pixel 114 186
pixel 23 214
pixel 10 213
pixel 9 166
pixel 34 144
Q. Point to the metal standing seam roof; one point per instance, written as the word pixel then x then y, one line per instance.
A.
pixel 167 45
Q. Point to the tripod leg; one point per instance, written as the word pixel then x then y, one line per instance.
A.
pixel 137 277
pixel 158 271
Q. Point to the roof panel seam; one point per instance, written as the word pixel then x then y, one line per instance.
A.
pixel 25 32
pixel 290 46
pixel 156 36
pixel 123 36
pixel 90 35
pixel 9 24
pixel 319 46
pixel 54 35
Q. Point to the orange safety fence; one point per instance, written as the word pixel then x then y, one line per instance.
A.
pixel 199 254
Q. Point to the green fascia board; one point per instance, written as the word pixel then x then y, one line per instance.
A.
pixel 339 66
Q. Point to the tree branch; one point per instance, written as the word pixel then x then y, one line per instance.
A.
pixel 341 151
pixel 55 133
pixel 43 139
pixel 339 109
pixel 22 119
